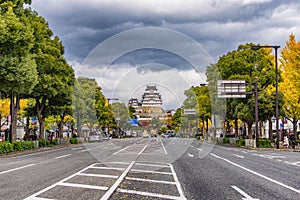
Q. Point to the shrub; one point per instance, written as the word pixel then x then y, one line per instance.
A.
pixel 264 143
pixel 225 140
pixel 44 143
pixel 27 145
pixel 6 147
pixel 240 143
pixel 55 141
pixel 17 146
pixel 73 140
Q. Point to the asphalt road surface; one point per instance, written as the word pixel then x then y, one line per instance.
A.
pixel 151 168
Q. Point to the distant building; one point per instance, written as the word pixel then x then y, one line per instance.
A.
pixel 150 105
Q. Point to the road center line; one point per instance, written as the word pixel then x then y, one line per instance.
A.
pixel 164 147
pixel 247 197
pixel 239 156
pixel 257 174
pixel 62 156
pixel 142 150
pixel 121 150
pixel 117 183
pixel 4 172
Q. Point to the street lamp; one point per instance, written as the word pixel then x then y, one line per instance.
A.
pixel 276 115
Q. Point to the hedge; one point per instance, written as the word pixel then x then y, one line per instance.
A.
pixel 6 147
pixel 225 140
pixel 73 140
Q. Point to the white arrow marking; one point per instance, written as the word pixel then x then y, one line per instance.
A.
pixel 190 155
pixel 247 197
pixel 238 156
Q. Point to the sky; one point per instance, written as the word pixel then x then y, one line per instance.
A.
pixel 128 44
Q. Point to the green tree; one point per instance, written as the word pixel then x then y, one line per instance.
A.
pixel 55 76
pixel 84 102
pixel 18 74
pixel 104 112
pixel 251 66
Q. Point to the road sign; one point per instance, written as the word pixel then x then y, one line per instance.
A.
pixel 189 111
pixel 231 89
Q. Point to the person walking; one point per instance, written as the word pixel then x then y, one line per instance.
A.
pixel 293 140
pixel 286 141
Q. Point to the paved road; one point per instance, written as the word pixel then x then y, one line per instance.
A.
pixel 235 173
pixel 143 168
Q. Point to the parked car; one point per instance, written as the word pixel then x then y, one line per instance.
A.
pixel 95 136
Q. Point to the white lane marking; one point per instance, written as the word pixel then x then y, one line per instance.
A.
pixel 121 163
pixel 192 146
pixel 39 198
pixel 150 172
pixel 292 163
pixel 62 156
pixel 104 147
pixel 199 149
pixel 244 151
pixel 257 174
pixel 150 180
pixel 117 183
pixel 34 196
pixel 151 165
pixel 4 172
pixel 178 185
pixel 111 168
pixel 164 147
pixel 84 186
pixel 190 155
pixel 85 150
pixel 76 148
pixel 247 197
pixel 239 156
pixel 98 175
pixel 121 150
pixel 142 150
pixel 148 194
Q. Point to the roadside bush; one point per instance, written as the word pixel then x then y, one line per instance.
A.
pixel 240 142
pixel 55 141
pixel 27 145
pixel 264 143
pixel 17 146
pixel 44 143
pixel 73 141
pixel 225 140
pixel 6 147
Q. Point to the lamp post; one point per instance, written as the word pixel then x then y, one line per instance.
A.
pixel 276 114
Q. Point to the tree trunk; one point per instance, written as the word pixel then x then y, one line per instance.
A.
pixel 206 126
pixel 39 109
pixel 270 130
pixel 295 120
pixel 14 118
pixel 250 123
pixel 236 127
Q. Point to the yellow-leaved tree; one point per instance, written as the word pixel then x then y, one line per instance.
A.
pixel 290 87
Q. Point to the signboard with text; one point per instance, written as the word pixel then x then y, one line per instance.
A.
pixel 231 89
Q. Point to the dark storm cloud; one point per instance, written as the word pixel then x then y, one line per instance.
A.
pixel 218 25
pixel 142 56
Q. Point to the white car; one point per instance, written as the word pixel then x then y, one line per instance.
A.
pixel 95 137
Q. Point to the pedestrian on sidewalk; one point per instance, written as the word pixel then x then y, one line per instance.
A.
pixel 286 141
